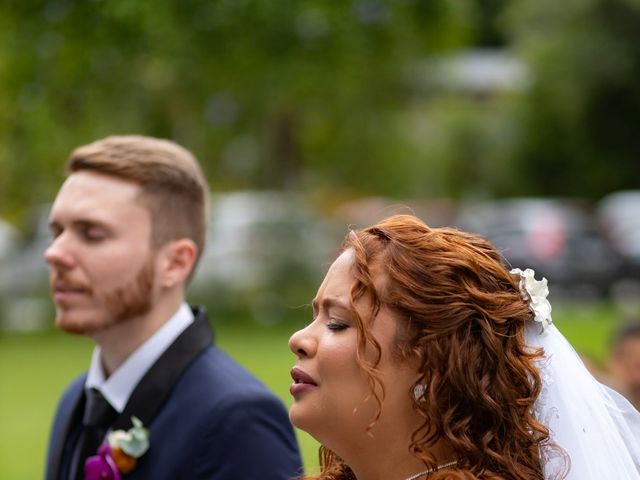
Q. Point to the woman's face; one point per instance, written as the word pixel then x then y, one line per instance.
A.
pixel 331 392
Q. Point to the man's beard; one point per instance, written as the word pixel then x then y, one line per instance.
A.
pixel 132 300
pixel 121 304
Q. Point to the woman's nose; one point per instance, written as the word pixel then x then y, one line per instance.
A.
pixel 302 343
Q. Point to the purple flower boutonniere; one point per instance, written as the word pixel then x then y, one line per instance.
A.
pixel 119 454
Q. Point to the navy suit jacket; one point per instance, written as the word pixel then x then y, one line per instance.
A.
pixel 208 418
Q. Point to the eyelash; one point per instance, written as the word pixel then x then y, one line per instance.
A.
pixel 337 326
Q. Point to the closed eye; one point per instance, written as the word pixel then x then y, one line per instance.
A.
pixel 93 235
pixel 91 232
pixel 336 326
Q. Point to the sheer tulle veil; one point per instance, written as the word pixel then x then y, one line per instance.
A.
pixel 597 428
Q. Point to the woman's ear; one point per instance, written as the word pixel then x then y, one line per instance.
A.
pixel 177 261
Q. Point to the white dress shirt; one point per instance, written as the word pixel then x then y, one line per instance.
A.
pixel 118 387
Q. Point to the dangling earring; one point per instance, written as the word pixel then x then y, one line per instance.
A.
pixel 418 391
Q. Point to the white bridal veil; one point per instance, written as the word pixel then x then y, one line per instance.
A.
pixel 597 428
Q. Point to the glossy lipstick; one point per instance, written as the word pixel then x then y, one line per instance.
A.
pixel 302 382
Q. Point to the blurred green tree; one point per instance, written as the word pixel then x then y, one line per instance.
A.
pixel 301 95
pixel 268 93
pixel 579 130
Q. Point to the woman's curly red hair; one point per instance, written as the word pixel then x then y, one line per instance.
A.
pixel 460 313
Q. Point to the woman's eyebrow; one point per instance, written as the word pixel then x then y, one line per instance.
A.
pixel 331 302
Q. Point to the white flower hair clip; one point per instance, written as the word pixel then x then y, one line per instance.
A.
pixel 535 292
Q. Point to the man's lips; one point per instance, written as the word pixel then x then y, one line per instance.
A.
pixel 302 381
pixel 69 288
pixel 64 290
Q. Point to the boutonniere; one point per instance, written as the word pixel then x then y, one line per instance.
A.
pixel 119 454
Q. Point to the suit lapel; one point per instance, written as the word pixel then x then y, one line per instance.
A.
pixel 62 433
pixel 155 387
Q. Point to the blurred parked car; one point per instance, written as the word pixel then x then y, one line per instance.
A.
pixel 559 239
pixel 8 238
pixel 362 212
pixel 24 302
pixel 619 215
pixel 265 253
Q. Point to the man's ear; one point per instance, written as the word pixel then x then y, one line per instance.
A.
pixel 177 259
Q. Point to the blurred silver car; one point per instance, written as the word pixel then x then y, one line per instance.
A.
pixel 264 255
pixel 24 300
pixel 8 238
pixel 619 215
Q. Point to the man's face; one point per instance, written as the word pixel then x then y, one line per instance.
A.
pixel 101 264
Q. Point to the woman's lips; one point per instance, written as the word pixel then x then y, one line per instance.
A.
pixel 302 381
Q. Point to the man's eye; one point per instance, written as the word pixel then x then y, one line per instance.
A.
pixel 93 235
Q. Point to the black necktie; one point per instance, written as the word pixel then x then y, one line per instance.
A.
pixel 98 416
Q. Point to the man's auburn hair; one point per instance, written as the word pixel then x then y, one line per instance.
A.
pixel 173 186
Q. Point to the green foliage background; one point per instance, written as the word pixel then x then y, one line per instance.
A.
pixel 264 91
pixel 325 96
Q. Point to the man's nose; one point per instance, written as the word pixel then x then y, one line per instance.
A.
pixel 58 253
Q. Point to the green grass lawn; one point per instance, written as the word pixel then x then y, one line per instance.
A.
pixel 35 368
